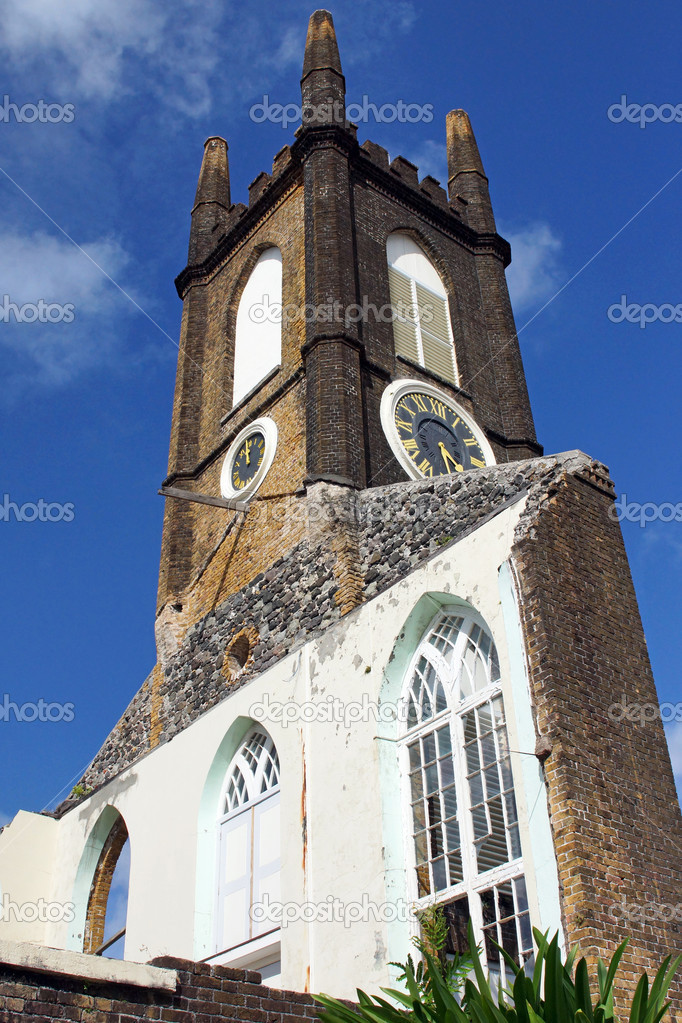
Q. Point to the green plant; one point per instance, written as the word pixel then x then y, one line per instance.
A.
pixel 554 993
pixel 432 943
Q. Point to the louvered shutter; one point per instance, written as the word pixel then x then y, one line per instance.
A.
pixel 434 321
pixel 404 320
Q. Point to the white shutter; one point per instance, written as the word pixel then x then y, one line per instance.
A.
pixel 404 305
pixel 434 321
pixel 234 893
pixel 266 857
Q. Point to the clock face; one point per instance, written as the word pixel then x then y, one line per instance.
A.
pixel 248 459
pixel 430 434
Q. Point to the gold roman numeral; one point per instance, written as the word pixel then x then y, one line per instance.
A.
pixel 402 424
pixel 478 463
pixel 426 467
pixel 406 408
pixel 470 442
pixel 437 406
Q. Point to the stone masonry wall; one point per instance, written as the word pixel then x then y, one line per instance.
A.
pixel 388 531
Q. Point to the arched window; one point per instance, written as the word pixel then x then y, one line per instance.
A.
pixel 466 851
pixel 258 336
pixel 421 323
pixel 249 858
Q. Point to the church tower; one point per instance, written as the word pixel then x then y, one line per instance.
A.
pixel 396 642
pixel 379 277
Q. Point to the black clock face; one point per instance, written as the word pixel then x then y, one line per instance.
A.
pixel 248 460
pixel 435 437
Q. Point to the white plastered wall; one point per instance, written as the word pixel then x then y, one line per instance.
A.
pixel 349 808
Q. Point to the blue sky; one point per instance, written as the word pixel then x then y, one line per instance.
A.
pixel 85 405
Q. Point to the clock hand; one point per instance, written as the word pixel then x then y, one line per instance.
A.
pixel 448 457
pixel 248 460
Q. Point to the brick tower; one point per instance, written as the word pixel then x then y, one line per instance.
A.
pixel 393 637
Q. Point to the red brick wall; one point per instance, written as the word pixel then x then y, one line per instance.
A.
pixel 205 994
pixel 614 810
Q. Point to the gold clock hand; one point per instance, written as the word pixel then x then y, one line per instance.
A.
pixel 447 457
pixel 248 460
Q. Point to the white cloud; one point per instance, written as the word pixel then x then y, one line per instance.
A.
pixel 534 275
pixel 673 734
pixel 42 268
pixel 184 53
pixel 90 47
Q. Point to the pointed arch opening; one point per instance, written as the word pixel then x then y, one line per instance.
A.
pixel 458 789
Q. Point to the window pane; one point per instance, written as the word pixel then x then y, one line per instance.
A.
pixel 450 802
pixel 480 822
pixel 440 880
pixel 457 918
pixel 455 866
pixel 429 746
pixel 492 781
pixel 432 784
pixel 416 786
pixel 447 771
pixel 420 847
pixel 419 814
pixel 476 789
pixel 434 814
pixel 423 882
pixel 444 741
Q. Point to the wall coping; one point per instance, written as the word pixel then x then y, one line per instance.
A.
pixel 40 959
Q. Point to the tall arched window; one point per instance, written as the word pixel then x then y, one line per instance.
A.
pixel 249 857
pixel 421 323
pixel 466 852
pixel 258 336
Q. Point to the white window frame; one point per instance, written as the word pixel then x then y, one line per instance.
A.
pixel 473 882
pixel 262 946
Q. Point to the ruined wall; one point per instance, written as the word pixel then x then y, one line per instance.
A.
pixel 204 994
